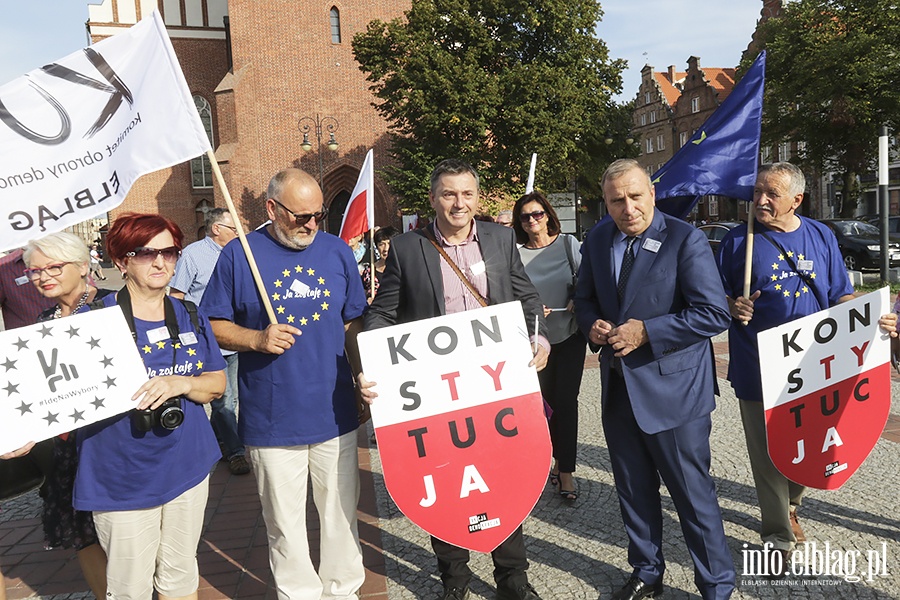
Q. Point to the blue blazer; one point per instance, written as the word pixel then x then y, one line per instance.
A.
pixel 677 293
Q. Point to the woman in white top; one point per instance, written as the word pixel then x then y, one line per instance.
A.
pixel 551 260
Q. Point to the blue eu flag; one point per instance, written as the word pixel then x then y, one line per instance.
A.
pixel 723 155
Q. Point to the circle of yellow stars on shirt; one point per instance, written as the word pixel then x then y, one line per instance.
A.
pixel 804 289
pixel 162 344
pixel 277 297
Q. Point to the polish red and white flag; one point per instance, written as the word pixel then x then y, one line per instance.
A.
pixel 360 214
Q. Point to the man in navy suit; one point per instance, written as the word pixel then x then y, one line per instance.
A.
pixel 649 297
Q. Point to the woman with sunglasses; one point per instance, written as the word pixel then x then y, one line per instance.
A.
pixel 59 266
pixel 551 260
pixel 145 474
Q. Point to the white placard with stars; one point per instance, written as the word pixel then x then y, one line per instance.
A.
pixel 63 374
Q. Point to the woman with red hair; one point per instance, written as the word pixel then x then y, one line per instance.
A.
pixel 145 474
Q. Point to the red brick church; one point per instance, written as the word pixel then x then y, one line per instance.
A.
pixel 275 84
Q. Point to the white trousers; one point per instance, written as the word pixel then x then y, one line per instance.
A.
pixel 281 478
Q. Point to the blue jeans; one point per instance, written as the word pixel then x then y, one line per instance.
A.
pixel 223 419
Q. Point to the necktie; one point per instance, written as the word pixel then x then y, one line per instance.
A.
pixel 625 271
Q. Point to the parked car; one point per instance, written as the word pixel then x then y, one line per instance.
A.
pixel 893 224
pixel 860 244
pixel 715 232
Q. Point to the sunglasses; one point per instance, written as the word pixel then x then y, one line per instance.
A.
pixel 145 255
pixel 538 215
pixel 304 219
pixel 50 270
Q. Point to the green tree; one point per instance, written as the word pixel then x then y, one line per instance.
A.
pixel 832 72
pixel 490 81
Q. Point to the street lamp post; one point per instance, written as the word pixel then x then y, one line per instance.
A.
pixel 318 125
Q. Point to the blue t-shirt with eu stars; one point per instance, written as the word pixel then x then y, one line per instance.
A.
pixel 121 468
pixel 784 295
pixel 304 396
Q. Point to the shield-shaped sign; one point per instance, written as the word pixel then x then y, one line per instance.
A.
pixel 460 422
pixel 826 390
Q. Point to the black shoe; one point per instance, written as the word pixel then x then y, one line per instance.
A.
pixel 523 592
pixel 238 465
pixel 455 593
pixel 636 589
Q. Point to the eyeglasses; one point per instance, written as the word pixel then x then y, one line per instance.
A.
pixel 304 219
pixel 538 215
pixel 231 227
pixel 51 271
pixel 144 254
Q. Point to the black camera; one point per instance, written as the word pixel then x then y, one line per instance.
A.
pixel 168 415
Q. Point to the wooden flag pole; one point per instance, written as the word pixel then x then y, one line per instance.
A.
pixel 748 256
pixel 243 237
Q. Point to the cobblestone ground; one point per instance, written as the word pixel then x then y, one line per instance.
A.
pixel 578 551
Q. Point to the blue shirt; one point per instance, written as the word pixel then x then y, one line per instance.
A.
pixel 305 395
pixel 124 469
pixel 784 296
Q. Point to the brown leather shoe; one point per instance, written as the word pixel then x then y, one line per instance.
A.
pixel 795 526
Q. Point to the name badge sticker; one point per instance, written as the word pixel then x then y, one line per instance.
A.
pixel 157 335
pixel 651 245
pixel 188 338
pixel 477 268
pixel 805 265
pixel 21 280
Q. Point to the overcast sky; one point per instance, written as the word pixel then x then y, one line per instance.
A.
pixel 658 32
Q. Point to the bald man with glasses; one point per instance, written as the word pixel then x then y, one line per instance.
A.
pixel 298 405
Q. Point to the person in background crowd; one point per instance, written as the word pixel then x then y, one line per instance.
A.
pixel 359 247
pixel 192 273
pixel 20 302
pixel 649 298
pixel 797 270
pixel 382 239
pixel 145 475
pixel 58 266
pixel 408 294
pixel 505 218
pixel 298 407
pixel 551 260
pixel 96 270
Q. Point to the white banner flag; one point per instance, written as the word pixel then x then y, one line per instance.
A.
pixel 77 133
pixel 63 374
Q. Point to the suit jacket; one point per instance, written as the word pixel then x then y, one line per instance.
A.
pixel 412 286
pixel 678 295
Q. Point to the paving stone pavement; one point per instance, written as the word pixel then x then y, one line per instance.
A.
pixel 578 551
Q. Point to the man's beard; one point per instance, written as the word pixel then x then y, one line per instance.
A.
pixel 285 239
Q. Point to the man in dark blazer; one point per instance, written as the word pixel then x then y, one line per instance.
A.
pixel 419 284
pixel 652 315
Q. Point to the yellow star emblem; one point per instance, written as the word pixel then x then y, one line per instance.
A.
pixel 787 293
pixel 277 283
pixel 310 271
pixel 316 316
pixel 324 306
pixel 298 268
pixel 790 253
pixel 321 281
pixel 276 296
pixel 781 257
pixel 177 345
pixel 800 256
pixel 805 289
pixel 160 345
pixel 303 321
pixel 777 286
pixel 147 349
pixel 774 277
pixel 774 266
pixel 191 352
pixel 280 310
pixel 286 272
pixel 290 318
pixel 199 364
pixel 796 294
pixel 327 293
pixel 812 275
